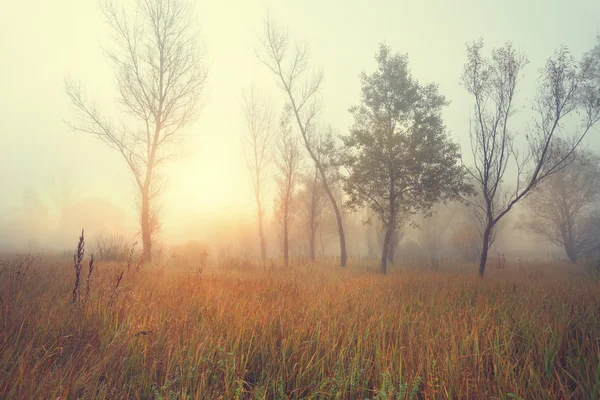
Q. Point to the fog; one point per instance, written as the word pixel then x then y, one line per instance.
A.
pixel 56 181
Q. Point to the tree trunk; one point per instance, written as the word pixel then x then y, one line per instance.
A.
pixel 386 246
pixel 259 215
pixel 312 225
pixel 312 238
pixel 286 255
pixel 340 225
pixel 146 233
pixel 338 219
pixel 484 250
pixel 569 249
pixel 261 235
pixel 391 252
pixel 336 210
pixel 394 243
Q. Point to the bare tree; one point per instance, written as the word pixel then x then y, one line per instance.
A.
pixel 493 82
pixel 313 203
pixel 258 115
pixel 565 208
pixel 314 196
pixel 290 67
pixel 159 74
pixel 288 164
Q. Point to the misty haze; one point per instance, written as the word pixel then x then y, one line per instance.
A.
pixel 300 200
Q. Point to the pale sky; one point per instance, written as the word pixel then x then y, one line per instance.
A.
pixel 42 41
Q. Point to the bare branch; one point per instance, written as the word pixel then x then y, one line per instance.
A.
pixel 492 82
pixel 158 66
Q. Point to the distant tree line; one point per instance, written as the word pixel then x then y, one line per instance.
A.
pixel 396 161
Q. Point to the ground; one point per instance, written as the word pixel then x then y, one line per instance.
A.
pixel 312 331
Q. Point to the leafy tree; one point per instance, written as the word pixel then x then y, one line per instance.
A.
pixel 398 155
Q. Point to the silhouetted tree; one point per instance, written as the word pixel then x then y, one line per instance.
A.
pixel 159 77
pixel 288 164
pixel 434 228
pixel 258 116
pixel 591 70
pixel 492 82
pixel 398 155
pixel 565 208
pixel 290 67
pixel 466 239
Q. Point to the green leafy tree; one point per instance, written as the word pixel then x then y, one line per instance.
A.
pixel 398 156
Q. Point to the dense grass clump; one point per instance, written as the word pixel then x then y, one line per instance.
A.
pixel 311 332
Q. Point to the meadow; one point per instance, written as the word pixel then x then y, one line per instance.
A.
pixel 313 331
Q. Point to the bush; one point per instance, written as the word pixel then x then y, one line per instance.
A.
pixel 111 246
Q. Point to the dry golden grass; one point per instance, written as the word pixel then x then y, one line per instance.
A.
pixel 313 332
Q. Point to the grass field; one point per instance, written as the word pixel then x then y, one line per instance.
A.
pixel 310 332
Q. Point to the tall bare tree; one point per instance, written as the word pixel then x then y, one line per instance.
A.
pixel 288 161
pixel 258 115
pixel 159 73
pixel 291 66
pixel 565 208
pixel 312 198
pixel 492 81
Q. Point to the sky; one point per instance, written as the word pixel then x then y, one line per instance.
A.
pixel 42 42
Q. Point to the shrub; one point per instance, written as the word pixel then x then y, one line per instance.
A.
pixel 111 246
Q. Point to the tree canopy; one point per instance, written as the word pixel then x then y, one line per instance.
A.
pixel 398 156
